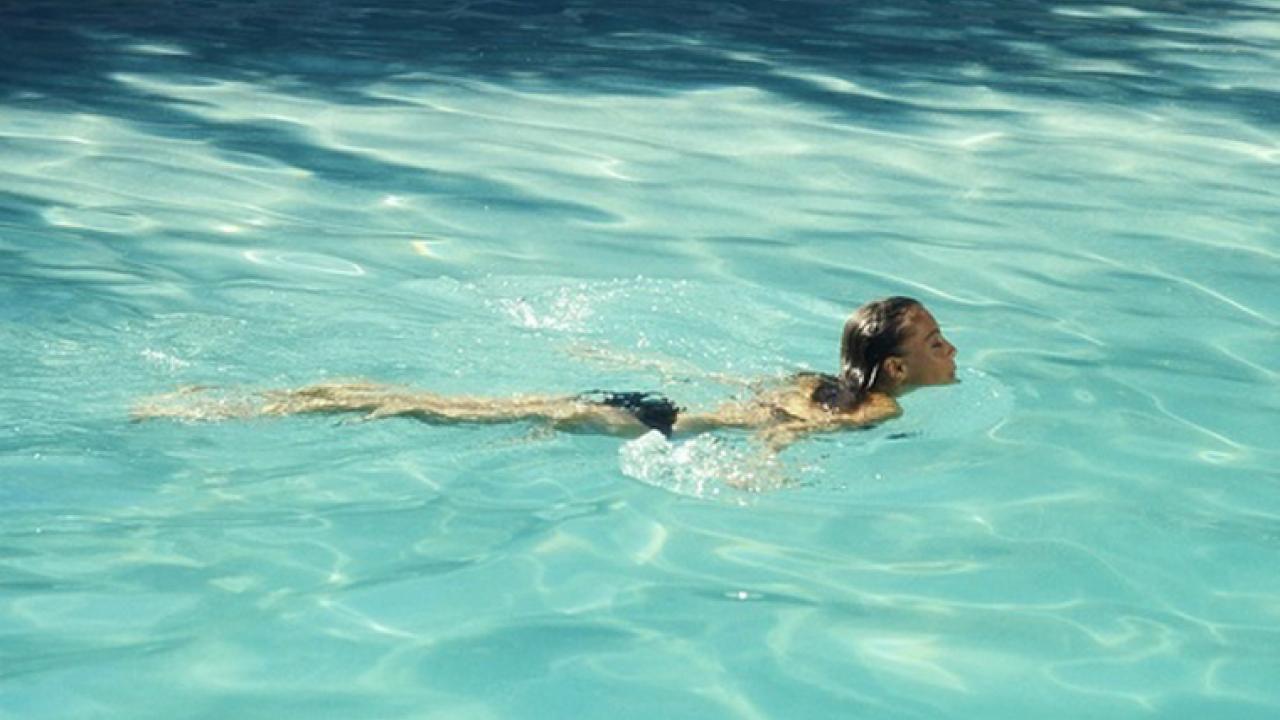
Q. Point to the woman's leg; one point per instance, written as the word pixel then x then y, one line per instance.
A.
pixel 382 401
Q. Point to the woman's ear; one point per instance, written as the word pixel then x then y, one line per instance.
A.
pixel 896 368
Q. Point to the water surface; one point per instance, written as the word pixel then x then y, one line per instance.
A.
pixel 487 197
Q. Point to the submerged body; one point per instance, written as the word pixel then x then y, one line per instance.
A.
pixel 889 347
pixel 778 414
pixel 785 409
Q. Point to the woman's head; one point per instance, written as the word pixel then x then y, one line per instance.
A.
pixel 894 345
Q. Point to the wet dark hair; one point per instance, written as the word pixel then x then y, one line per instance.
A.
pixel 872 333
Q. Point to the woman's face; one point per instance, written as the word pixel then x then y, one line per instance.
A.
pixel 927 357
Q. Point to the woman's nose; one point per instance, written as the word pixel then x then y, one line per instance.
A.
pixel 951 349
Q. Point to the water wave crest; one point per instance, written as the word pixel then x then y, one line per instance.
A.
pixel 978 403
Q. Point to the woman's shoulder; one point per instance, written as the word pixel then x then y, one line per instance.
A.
pixel 816 396
pixel 875 407
pixel 825 394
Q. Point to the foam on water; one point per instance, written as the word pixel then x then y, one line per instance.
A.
pixel 706 467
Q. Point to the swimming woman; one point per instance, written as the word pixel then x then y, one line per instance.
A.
pixel 889 347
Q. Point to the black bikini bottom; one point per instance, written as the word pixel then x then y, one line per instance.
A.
pixel 651 409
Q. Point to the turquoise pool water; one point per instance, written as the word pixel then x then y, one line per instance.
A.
pixel 481 197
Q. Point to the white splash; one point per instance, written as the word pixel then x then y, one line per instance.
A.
pixel 706 467
pixel 567 309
